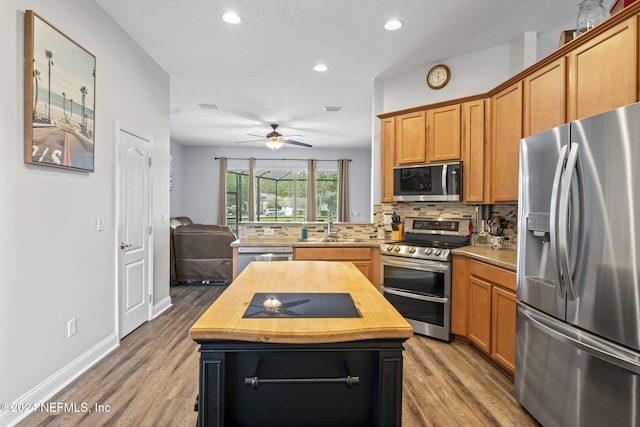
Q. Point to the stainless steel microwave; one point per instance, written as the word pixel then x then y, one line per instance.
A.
pixel 440 182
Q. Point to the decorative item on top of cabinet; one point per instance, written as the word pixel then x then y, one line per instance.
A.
pixel 603 72
pixel 505 144
pixel 545 98
pixel 387 158
pixel 473 151
pixel 411 147
pixel 443 133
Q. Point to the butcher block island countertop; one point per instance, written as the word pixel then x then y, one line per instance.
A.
pixel 224 319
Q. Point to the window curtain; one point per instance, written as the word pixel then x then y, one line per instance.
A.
pixel 312 214
pixel 252 189
pixel 343 190
pixel 222 192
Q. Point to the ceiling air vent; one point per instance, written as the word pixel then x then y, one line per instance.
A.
pixel 332 108
pixel 208 106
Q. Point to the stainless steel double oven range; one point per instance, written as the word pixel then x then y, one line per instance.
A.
pixel 416 273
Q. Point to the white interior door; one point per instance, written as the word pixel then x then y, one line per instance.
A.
pixel 134 297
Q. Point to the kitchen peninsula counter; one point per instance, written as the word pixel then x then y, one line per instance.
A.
pixel 274 369
pixel 268 241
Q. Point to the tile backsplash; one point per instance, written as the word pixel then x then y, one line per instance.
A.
pixel 366 230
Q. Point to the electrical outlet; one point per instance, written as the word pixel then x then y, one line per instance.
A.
pixel 71 328
pixel 99 223
pixel 269 231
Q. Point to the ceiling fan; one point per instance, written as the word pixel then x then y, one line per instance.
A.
pixel 275 139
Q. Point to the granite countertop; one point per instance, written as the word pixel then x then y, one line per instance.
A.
pixel 284 241
pixel 505 258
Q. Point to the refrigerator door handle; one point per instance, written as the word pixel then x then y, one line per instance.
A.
pixel 610 353
pixel 563 222
pixel 553 221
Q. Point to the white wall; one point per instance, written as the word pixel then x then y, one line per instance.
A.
pixel 177 194
pixel 54 264
pixel 200 191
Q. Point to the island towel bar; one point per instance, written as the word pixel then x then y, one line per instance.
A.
pixel 255 382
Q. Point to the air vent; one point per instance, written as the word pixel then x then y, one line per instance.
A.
pixel 208 106
pixel 332 108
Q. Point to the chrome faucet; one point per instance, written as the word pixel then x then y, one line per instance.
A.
pixel 330 234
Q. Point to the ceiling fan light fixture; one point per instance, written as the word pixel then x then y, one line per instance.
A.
pixel 274 144
pixel 231 18
pixel 393 24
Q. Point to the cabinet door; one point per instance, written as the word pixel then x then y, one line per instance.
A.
pixel 545 98
pixel 443 133
pixel 459 295
pixel 480 313
pixel 387 158
pixel 410 139
pixel 603 71
pixel 503 334
pixel 505 144
pixel 473 159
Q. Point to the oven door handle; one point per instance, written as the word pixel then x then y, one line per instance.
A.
pixel 414 296
pixel 421 265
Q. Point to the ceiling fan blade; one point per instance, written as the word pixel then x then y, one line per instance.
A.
pixel 257 136
pixel 291 136
pixel 251 140
pixel 301 144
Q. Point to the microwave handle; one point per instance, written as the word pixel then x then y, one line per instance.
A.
pixel 444 180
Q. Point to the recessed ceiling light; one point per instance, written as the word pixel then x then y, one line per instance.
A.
pixel 320 68
pixel 231 18
pixel 393 25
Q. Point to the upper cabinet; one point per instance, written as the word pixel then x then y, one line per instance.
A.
pixel 410 139
pixel 443 133
pixel 387 158
pixel 545 98
pixel 505 144
pixel 473 151
pixel 596 72
pixel 603 72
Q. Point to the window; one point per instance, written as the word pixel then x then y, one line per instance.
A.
pixel 281 195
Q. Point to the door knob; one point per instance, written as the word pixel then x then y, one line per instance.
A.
pixel 124 245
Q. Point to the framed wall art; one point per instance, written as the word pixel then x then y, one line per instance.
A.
pixel 59 101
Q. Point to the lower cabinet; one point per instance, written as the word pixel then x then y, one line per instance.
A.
pixel 366 259
pixel 486 309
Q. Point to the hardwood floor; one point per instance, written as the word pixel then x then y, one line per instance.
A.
pixel 152 379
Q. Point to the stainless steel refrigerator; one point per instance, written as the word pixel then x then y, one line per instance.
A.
pixel 578 278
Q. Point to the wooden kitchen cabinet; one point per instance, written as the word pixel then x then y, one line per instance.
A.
pixel 366 259
pixel 443 134
pixel 480 313
pixel 503 327
pixel 492 312
pixel 603 72
pixel 387 158
pixel 410 143
pixel 473 151
pixel 545 98
pixel 505 144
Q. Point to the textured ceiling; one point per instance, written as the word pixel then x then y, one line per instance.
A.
pixel 260 71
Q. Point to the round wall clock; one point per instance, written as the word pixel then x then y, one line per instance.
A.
pixel 438 76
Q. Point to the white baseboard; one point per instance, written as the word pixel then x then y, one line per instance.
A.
pixel 56 382
pixel 161 307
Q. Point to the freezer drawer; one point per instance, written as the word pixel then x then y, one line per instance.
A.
pixel 566 377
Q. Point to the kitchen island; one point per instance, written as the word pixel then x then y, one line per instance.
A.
pixel 275 364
